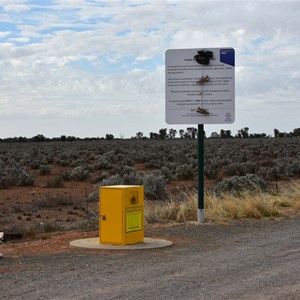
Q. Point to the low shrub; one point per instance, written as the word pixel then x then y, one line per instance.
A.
pixel 44 170
pixel 53 202
pixel 93 196
pixel 238 184
pixel 167 173
pixel 154 186
pixel 112 180
pixel 80 173
pixel 99 177
pixel 15 176
pixel 51 227
pixel 24 178
pixel 131 176
pixel 65 174
pixel 185 172
pixel 102 163
pixel 35 164
pixel 3 180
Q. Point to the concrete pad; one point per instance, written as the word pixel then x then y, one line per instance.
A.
pixel 93 243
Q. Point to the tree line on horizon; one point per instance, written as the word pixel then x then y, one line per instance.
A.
pixel 191 133
pixel 164 133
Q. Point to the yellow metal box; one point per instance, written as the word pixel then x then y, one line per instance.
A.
pixel 121 214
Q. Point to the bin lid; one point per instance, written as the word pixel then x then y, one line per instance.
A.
pixel 120 186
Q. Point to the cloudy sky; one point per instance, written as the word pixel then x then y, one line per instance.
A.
pixel 89 67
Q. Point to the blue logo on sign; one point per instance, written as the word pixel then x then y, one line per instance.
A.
pixel 227 56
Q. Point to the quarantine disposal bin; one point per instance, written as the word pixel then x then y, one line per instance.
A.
pixel 121 214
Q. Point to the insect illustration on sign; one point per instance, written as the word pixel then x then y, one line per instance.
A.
pixel 202 111
pixel 201 81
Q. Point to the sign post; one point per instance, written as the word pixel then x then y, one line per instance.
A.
pixel 200 173
pixel 200 90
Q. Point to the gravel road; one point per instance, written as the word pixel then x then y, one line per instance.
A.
pixel 257 259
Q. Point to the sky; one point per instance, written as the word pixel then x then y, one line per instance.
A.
pixel 88 68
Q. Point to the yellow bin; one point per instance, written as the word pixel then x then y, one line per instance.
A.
pixel 121 214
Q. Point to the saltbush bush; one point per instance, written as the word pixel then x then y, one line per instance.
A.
pixel 35 164
pixel 17 176
pixel 44 170
pixel 65 174
pixel 154 186
pixel 185 172
pixel 99 177
pixel 102 163
pixel 53 202
pixel 3 179
pixel 167 173
pixel 93 196
pixel 132 177
pixel 239 184
pixel 80 173
pixel 112 180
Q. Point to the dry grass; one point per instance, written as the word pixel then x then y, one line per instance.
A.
pixel 259 205
pixel 173 210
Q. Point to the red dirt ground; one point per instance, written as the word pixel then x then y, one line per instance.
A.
pixel 18 213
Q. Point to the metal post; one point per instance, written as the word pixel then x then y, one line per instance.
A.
pixel 200 173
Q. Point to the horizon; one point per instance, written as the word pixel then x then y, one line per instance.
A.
pixel 177 135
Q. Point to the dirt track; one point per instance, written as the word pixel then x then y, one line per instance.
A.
pixel 241 260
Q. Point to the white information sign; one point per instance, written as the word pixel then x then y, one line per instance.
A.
pixel 200 86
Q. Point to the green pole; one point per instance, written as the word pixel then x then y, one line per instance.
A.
pixel 200 173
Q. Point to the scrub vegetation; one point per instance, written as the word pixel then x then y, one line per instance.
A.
pixel 244 178
pixel 129 161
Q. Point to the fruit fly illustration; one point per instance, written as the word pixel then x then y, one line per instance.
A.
pixel 202 111
pixel 201 81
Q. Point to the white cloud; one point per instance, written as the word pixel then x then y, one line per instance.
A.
pixel 79 59
pixel 3 34
pixel 19 40
pixel 16 7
